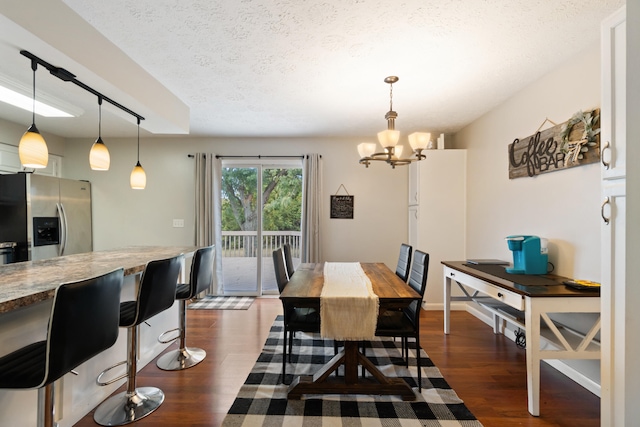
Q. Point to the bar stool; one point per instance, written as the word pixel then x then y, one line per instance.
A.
pixel 200 280
pixel 83 323
pixel 156 293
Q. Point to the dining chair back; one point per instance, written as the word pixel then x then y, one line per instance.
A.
pixel 404 261
pixel 418 281
pixel 406 323
pixel 280 268
pixel 296 319
pixel 288 259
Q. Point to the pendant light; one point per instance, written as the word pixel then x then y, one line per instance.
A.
pixel 392 153
pixel 32 149
pixel 99 158
pixel 138 179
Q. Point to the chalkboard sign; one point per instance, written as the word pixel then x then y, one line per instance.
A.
pixel 342 207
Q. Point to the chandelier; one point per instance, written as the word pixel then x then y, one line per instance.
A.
pixel 389 139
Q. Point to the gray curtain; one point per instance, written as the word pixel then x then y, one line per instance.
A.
pixel 312 208
pixel 208 212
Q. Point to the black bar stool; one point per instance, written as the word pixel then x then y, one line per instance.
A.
pixel 83 323
pixel 200 280
pixel 156 293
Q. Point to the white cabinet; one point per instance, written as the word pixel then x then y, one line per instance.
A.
pixel 10 162
pixel 437 221
pixel 54 167
pixel 414 183
pixel 613 136
pixel 617 370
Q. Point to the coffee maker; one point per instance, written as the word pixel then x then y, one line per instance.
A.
pixel 530 254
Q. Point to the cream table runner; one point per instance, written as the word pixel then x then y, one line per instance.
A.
pixel 348 305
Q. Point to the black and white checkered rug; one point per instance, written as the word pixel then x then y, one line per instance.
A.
pixel 262 400
pixel 221 303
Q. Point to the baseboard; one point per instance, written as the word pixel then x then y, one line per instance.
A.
pixel 559 365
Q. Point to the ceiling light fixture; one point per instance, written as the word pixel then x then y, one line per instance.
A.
pixel 99 158
pixel 389 139
pixel 33 149
pixel 138 178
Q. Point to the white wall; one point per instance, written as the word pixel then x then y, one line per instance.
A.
pixel 132 217
pixel 563 206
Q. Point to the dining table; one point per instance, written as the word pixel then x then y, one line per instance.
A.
pixel 304 289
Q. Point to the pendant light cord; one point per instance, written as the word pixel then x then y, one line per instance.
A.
pixel 100 117
pixel 138 140
pixel 34 67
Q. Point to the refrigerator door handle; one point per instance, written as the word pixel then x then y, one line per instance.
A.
pixel 63 228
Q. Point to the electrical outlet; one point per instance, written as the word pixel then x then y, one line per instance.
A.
pixel 178 223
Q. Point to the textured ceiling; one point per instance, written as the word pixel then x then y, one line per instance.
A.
pixel 316 68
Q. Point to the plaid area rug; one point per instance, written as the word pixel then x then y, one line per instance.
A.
pixel 221 303
pixel 262 400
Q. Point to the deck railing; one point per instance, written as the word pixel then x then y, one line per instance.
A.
pixel 244 243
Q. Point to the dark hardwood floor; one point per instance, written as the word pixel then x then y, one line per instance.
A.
pixel 487 371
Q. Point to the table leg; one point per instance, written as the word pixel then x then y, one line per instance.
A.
pixel 323 383
pixel 447 303
pixel 532 330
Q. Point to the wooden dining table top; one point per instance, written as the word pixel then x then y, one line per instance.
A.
pixel 306 284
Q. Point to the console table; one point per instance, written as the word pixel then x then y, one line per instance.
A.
pixel 524 301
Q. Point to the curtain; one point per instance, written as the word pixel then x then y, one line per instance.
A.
pixel 312 208
pixel 208 212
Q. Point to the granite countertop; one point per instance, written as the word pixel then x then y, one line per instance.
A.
pixel 26 283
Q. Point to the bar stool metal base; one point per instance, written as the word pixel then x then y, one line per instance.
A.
pixel 182 358
pixel 125 408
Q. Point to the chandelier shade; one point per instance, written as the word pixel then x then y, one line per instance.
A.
pixel 419 140
pixel 389 138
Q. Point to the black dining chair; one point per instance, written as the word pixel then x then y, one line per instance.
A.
pixel 404 261
pixel 406 323
pixel 296 319
pixel 83 322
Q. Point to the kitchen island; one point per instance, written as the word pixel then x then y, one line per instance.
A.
pixel 26 283
pixel 26 296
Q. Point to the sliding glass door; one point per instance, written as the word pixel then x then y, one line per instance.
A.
pixel 254 223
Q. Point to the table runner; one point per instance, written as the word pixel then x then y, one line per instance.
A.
pixel 348 305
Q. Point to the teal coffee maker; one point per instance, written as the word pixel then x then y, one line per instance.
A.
pixel 530 255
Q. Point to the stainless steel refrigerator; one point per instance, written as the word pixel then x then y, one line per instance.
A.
pixel 45 216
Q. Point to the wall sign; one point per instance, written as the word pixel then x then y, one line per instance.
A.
pixel 573 143
pixel 342 206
